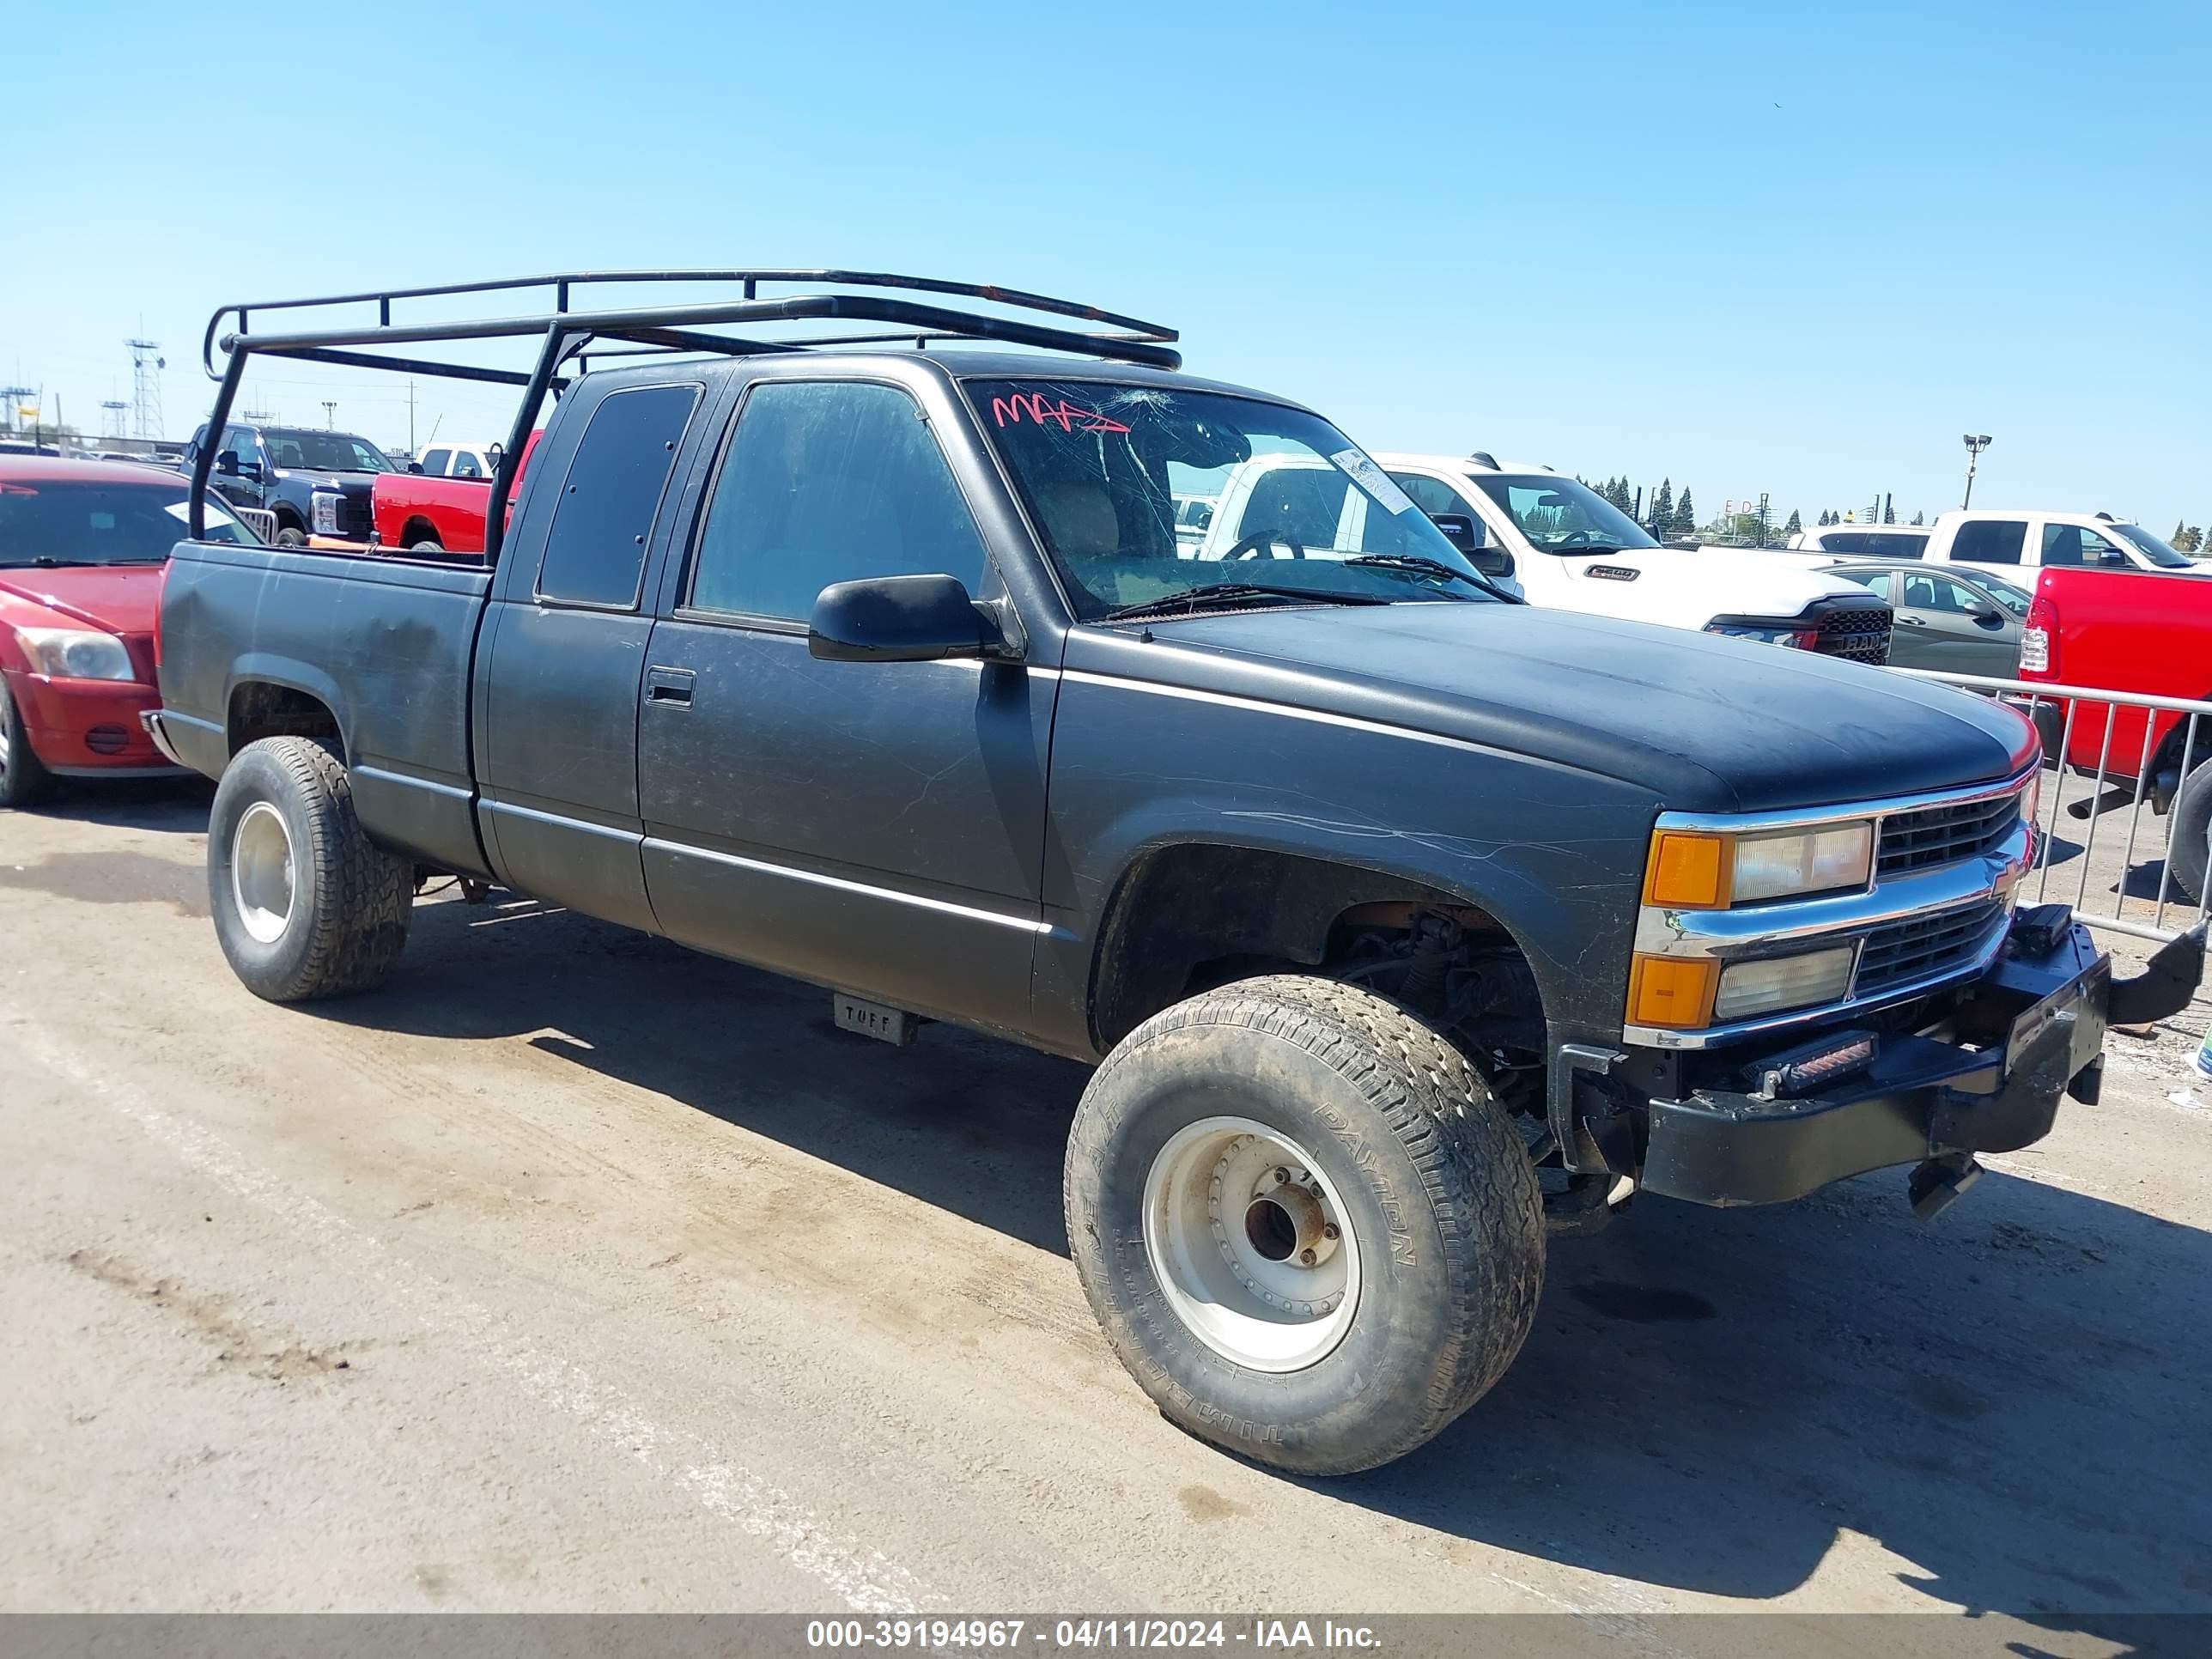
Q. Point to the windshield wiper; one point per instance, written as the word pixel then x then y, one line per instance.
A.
pixel 1415 562
pixel 1231 593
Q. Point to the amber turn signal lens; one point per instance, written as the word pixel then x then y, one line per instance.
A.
pixel 1689 872
pixel 1676 992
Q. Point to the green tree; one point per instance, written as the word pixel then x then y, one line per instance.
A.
pixel 1685 516
pixel 2179 530
pixel 1794 525
pixel 1663 507
pixel 1920 518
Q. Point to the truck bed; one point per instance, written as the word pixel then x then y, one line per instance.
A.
pixel 384 642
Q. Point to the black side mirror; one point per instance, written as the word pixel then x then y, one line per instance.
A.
pixel 414 466
pixel 1988 615
pixel 226 463
pixel 899 619
pixel 1462 530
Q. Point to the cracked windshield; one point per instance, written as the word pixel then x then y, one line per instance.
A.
pixel 1153 500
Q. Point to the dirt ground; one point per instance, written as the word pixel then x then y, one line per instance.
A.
pixel 574 1272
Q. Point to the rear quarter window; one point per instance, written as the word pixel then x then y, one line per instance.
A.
pixel 1991 541
pixel 595 550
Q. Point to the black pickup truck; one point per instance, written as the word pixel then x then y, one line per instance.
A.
pixel 1404 922
pixel 308 480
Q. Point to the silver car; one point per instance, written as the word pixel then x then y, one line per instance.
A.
pixel 1960 622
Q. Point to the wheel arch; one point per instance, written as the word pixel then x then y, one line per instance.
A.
pixel 271 699
pixel 1186 914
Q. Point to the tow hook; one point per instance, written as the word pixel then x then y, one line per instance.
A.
pixel 1937 1182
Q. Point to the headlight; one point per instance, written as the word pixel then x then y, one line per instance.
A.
pixel 74 654
pixel 323 512
pixel 1777 982
pixel 1802 639
pixel 1697 870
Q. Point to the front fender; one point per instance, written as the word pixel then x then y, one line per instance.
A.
pixel 1554 855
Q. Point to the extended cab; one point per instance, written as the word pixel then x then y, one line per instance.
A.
pixel 1573 550
pixel 2148 636
pixel 1401 920
pixel 2097 541
pixel 309 482
pixel 445 513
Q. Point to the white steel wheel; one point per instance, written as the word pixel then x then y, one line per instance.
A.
pixel 1248 1239
pixel 262 882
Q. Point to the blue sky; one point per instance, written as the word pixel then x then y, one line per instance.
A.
pixel 1776 247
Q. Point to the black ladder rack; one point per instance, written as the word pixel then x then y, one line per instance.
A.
pixel 565 332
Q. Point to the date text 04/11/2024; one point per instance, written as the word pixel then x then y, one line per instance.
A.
pixel 1013 1634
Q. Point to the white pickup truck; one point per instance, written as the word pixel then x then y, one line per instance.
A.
pixel 1569 548
pixel 2032 539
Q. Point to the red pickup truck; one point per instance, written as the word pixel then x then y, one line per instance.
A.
pixel 2146 635
pixel 419 513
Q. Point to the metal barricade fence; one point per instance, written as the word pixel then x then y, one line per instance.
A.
pixel 2146 765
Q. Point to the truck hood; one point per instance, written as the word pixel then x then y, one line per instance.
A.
pixel 351 483
pixel 1708 724
pixel 1688 587
pixel 115 598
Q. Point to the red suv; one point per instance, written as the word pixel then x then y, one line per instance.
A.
pixel 83 548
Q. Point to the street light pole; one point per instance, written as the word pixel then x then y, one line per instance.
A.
pixel 329 412
pixel 1975 446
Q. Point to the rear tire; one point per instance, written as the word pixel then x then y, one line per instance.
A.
pixel 1189 1246
pixel 24 780
pixel 2189 832
pixel 426 546
pixel 305 904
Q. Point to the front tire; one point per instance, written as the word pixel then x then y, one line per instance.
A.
pixel 24 780
pixel 305 904
pixel 1307 1228
pixel 2189 832
pixel 291 535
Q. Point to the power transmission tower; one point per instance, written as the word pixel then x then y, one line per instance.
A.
pixel 10 396
pixel 112 411
pixel 146 368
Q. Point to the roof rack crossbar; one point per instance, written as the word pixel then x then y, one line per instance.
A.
pixel 403 364
pixel 1132 339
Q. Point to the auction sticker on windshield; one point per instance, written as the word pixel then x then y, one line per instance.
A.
pixel 1374 480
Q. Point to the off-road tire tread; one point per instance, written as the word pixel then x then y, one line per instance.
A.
pixel 367 897
pixel 2188 851
pixel 1473 1166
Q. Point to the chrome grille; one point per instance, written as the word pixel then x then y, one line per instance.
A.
pixel 1925 946
pixel 1944 835
pixel 1858 635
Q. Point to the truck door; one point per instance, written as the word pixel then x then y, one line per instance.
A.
pixel 878 827
pixel 1944 624
pixel 558 688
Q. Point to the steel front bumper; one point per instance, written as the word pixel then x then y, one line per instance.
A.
pixel 1987 1079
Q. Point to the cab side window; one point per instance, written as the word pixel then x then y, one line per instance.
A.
pixel 1431 495
pixel 595 550
pixel 828 482
pixel 436 461
pixel 1991 541
pixel 464 465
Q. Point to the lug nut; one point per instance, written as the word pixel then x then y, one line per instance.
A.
pixel 1328 1229
pixel 1282 1177
pixel 1307 1257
